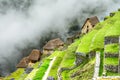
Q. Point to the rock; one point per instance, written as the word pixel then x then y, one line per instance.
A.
pixel 111 68
pixel 80 57
pixel 50 78
pixel 12 79
pixel 111 39
pixel 111 55
pixel 28 70
pixel 112 14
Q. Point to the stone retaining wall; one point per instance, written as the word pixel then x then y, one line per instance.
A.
pixel 111 55
pixel 80 57
pixel 92 54
pixel 111 68
pixel 110 40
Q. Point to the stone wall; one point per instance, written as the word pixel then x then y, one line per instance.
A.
pixel 80 57
pixel 110 40
pixel 111 55
pixel 111 68
pixel 92 54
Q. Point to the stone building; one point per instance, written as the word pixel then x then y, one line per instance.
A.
pixel 35 55
pixel 23 63
pixel 89 24
pixel 52 45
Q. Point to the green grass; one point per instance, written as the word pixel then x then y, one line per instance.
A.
pixel 112 48
pixel 111 61
pixel 83 72
pixel 101 63
pixel 56 64
pixel 36 65
pixel 112 74
pixel 86 41
pixel 69 58
pixel 23 77
pixel 16 75
pixel 40 73
pixel 31 75
pixel 98 40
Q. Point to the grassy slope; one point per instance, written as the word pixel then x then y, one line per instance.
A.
pixel 82 72
pixel 69 58
pixel 112 48
pixel 59 56
pixel 41 71
pixel 16 75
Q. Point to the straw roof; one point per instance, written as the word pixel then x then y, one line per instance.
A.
pixel 35 55
pixel 93 20
pixel 52 44
pixel 23 63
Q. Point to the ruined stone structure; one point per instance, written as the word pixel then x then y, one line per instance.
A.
pixel 89 24
pixel 111 39
pixel 71 39
pixel 52 45
pixel 28 62
pixel 23 63
pixel 91 54
pixel 35 55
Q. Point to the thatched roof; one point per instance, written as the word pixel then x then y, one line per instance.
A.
pixel 35 55
pixel 93 20
pixel 23 63
pixel 52 44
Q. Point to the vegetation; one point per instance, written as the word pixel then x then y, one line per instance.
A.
pixel 112 74
pixel 86 41
pixel 59 56
pixel 83 72
pixel 111 61
pixel 31 75
pixel 101 62
pixel 69 58
pixel 16 75
pixel 112 48
pixel 40 73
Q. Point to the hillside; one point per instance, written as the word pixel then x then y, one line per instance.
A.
pixel 65 65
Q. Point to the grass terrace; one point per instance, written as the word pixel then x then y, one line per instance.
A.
pixel 112 74
pixel 83 72
pixel 16 75
pixel 69 58
pixel 31 75
pixel 98 41
pixel 59 56
pixel 112 48
pixel 111 61
pixel 40 73
pixel 86 41
pixel 101 63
